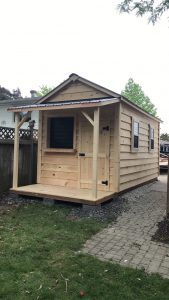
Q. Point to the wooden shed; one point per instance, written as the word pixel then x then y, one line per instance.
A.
pixel 93 143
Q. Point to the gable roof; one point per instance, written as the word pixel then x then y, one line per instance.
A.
pixel 73 78
pixel 41 104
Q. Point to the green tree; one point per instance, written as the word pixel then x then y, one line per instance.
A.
pixel 164 136
pixel 154 9
pixel 134 93
pixel 5 94
pixel 17 94
pixel 44 89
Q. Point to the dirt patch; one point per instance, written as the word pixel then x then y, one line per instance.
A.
pixel 162 233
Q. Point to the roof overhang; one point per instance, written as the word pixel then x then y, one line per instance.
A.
pixel 66 105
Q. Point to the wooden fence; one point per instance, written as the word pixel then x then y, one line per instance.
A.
pixel 27 162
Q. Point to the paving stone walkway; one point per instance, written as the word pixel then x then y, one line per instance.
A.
pixel 128 240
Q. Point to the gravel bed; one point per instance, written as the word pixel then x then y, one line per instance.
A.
pixel 10 199
pixel 106 211
pixel 112 209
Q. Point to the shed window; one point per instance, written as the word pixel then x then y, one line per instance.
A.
pixel 151 138
pixel 61 132
pixel 135 135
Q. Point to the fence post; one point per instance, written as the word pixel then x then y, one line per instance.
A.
pixel 16 152
pixel 31 126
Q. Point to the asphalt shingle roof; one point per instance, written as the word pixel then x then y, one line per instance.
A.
pixel 19 102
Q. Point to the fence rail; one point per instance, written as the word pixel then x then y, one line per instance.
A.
pixel 8 133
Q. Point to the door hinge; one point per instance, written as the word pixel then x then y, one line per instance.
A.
pixel 106 128
pixel 81 154
pixel 105 182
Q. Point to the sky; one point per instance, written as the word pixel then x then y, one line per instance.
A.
pixel 44 41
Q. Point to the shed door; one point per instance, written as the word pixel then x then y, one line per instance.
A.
pixel 86 156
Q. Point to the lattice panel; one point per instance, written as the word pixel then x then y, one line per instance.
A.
pixel 7 133
pixel 35 134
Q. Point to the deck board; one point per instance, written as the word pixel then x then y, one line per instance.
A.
pixel 83 196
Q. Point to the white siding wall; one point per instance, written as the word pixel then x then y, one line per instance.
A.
pixel 7 118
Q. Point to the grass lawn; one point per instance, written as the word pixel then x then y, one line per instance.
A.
pixel 39 259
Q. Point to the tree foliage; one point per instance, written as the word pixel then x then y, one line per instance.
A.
pixel 154 9
pixel 164 136
pixel 44 89
pixel 5 94
pixel 17 94
pixel 135 94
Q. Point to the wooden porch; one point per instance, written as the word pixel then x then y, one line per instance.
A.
pixel 55 184
pixel 82 196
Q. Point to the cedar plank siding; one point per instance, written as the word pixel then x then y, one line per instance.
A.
pixel 77 91
pixel 60 169
pixel 141 166
pixel 63 169
pixel 114 148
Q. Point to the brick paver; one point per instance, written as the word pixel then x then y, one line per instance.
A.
pixel 128 240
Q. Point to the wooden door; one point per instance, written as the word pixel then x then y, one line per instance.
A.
pixel 86 155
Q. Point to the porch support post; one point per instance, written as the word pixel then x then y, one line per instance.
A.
pixel 88 117
pixel 28 115
pixel 16 152
pixel 95 151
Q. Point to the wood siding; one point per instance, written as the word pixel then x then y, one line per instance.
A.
pixel 142 165
pixel 86 146
pixel 65 169
pixel 125 168
pixel 114 148
pixel 77 91
pixel 60 169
